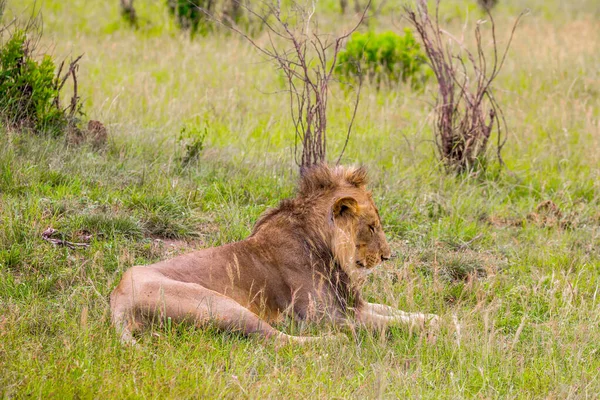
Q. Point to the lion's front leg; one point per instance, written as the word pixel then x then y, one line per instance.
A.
pixel 380 316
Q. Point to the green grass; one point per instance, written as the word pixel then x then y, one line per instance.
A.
pixel 520 281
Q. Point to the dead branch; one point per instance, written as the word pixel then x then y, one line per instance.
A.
pixel 47 236
pixel 59 82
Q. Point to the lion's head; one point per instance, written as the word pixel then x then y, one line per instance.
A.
pixel 334 213
pixel 357 237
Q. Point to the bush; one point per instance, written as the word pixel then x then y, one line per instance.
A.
pixel 191 14
pixel 193 141
pixel 128 12
pixel 384 57
pixel 30 88
pixel 27 86
pixel 188 12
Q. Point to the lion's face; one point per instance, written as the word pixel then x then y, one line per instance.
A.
pixel 371 245
pixel 362 244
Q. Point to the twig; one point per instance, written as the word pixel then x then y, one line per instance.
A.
pixel 360 82
pixel 465 245
pixel 47 236
pixel 60 83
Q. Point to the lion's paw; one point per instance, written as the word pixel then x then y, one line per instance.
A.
pixel 432 321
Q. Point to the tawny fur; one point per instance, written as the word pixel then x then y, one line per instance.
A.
pixel 308 258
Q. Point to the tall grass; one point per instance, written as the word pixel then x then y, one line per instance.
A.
pixel 517 293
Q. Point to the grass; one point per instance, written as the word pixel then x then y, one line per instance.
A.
pixel 520 280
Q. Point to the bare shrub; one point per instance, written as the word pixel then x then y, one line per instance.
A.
pixel 466 110
pixel 307 59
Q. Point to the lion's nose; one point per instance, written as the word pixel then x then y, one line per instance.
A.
pixel 387 255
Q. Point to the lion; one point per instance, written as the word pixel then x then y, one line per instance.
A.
pixel 306 258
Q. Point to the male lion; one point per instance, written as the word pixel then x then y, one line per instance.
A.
pixel 308 257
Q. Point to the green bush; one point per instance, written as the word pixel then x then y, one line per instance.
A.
pixel 189 13
pixel 192 14
pixel 28 87
pixel 193 141
pixel 385 57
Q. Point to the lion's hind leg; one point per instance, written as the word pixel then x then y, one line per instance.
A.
pixel 144 292
pixel 125 314
pixel 125 323
pixel 184 301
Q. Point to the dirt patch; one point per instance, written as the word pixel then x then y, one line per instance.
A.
pixel 156 249
pixel 95 134
pixel 172 247
pixel 451 264
pixel 545 215
pixel 503 222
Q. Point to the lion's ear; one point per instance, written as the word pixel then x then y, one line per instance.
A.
pixel 357 177
pixel 345 207
pixel 315 178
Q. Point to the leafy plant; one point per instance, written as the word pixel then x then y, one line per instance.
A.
pixel 27 85
pixel 193 140
pixel 191 14
pixel 128 12
pixel 384 57
pixel 30 88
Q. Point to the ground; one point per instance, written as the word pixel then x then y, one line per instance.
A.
pixel 510 259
